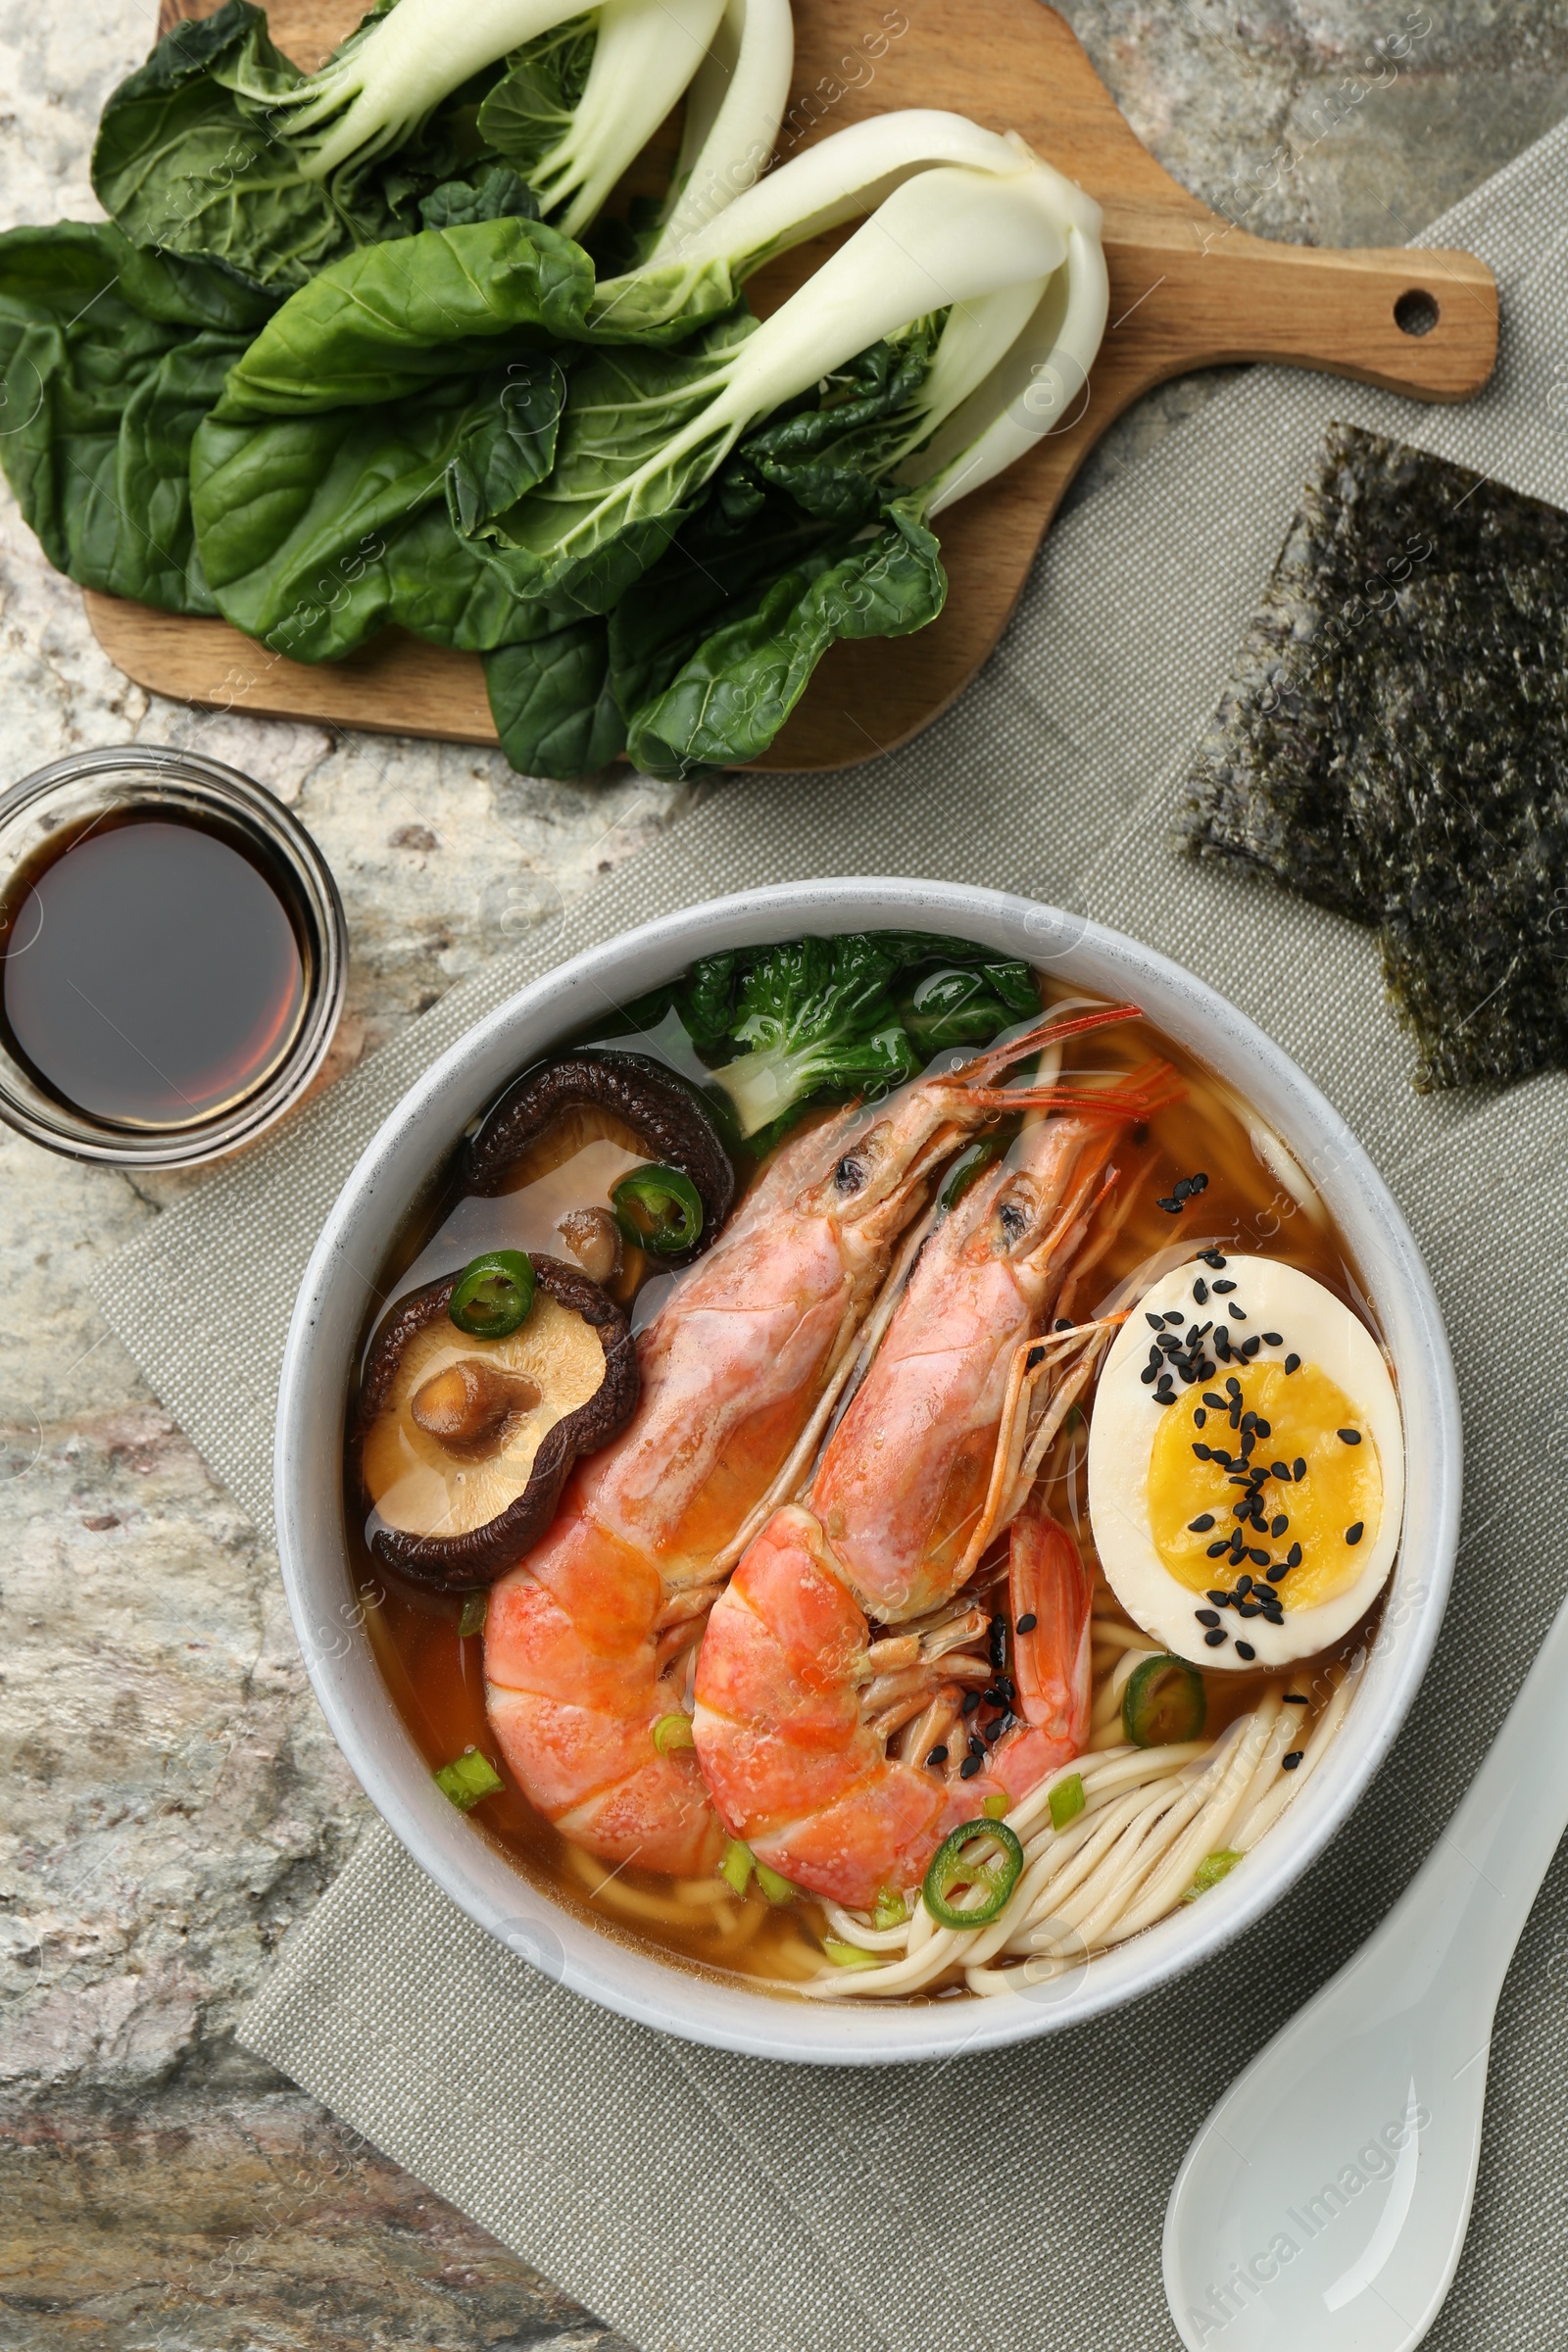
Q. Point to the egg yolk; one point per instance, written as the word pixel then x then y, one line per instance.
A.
pixel 1333 1492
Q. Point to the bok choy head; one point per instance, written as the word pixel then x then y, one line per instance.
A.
pixel 643 437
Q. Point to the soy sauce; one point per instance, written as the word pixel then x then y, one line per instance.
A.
pixel 151 973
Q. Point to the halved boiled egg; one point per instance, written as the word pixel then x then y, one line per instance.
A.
pixel 1245 1464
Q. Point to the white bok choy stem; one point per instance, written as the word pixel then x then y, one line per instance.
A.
pixel 850 173
pixel 734 107
pixel 397 72
pixel 1033 393
pixel 645 54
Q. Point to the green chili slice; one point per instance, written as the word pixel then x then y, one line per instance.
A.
pixel 671 1731
pixel 1164 1704
pixel 474 1615
pixel 493 1295
pixel 952 1867
pixel 658 1209
pixel 468 1779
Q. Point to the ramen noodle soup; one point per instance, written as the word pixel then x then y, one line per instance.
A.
pixel 875 1474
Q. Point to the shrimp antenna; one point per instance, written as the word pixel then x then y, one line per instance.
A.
pixel 1154 1087
pixel 1049 1032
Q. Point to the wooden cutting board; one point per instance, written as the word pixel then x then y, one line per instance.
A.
pixel 1188 290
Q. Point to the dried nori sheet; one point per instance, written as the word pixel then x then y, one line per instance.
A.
pixel 1393 746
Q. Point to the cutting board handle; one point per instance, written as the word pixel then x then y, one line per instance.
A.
pixel 1409 318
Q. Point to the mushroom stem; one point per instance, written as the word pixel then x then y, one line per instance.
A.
pixel 469 1406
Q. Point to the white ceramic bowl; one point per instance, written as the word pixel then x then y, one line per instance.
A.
pixel 333 1304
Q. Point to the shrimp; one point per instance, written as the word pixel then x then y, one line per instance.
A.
pixel 590 1640
pixel 786 1731
pixel 933 1458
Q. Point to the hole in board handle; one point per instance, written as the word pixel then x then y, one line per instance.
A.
pixel 1417 311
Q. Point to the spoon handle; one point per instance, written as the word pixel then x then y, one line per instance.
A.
pixel 1496 1849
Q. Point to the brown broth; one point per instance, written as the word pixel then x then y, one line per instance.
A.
pixel 435 1675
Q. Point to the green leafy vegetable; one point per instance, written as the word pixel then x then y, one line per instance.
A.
pixel 391 319
pixel 551 704
pixel 109 360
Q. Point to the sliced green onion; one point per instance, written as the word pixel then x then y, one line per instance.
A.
pixel 1067 1800
pixel 890 1910
pixel 671 1731
pixel 993 1807
pixel 493 1295
pixel 1209 1873
pixel 658 1209
pixel 474 1615
pixel 847 1955
pixel 776 1890
pixel 736 1866
pixel 1164 1704
pixel 953 1869
pixel 468 1779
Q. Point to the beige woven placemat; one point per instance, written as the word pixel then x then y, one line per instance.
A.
pixel 707 2203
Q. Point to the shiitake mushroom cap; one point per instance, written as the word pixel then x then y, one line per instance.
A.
pixel 478 1555
pixel 666 1116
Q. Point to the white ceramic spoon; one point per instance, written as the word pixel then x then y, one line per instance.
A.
pixel 1323 2206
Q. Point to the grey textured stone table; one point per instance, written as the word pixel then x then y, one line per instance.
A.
pixel 170 1800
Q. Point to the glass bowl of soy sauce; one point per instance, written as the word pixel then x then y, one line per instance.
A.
pixel 173 957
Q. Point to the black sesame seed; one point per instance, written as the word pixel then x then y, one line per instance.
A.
pixel 970 1767
pixel 1291 1761
pixel 1028 1621
pixel 971 1700
pixel 1272 1338
pixel 1281 1471
pixel 1200 1418
pixel 1278 1571
pixel 1221 1600
pixel 1293 1363
pixel 1200 1290
pixel 1243 1585
pixel 1295 1698
pixel 1216 1636
pixel 1201 1450
pixel 1211 1258
pixel 1292 1558
pixel 992 1730
pixel 1172 1208
pixel 1146 1375
pixel 1276 1525
pixel 1238 1315
pixel 1205 1370
pixel 1244 1649
pixel 1353 1535
pixel 1222 1288
pixel 1247 1608
pixel 1249 1347
pixel 1199 1183
pixel 1206 1616
pixel 1155 1322
pixel 1349 1437
pixel 1257 1556
pixel 938 1755
pixel 1210 1396
pixel 1214 1550
pixel 1265 1428
pixel 1298 1468
pixel 1201 1527
pixel 977 1748
pixel 1233 1386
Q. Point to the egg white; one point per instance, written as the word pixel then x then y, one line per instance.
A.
pixel 1318 1328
